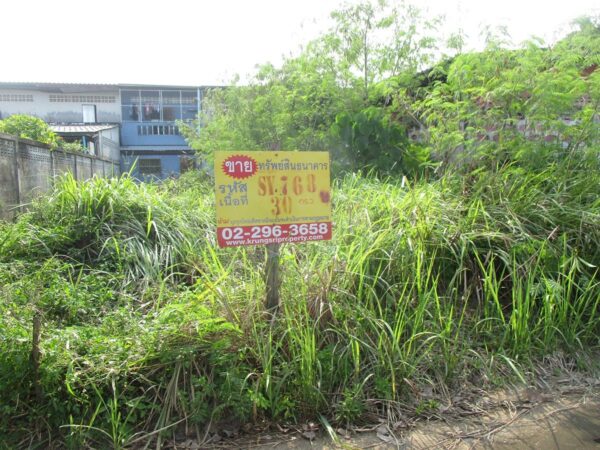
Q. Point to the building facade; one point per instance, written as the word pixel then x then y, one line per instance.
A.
pixel 150 136
pixel 148 140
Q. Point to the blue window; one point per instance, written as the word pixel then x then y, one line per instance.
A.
pixel 130 106
pixel 150 106
pixel 150 167
pixel 189 104
pixel 158 105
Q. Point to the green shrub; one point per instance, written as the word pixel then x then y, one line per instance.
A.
pixel 146 322
pixel 28 127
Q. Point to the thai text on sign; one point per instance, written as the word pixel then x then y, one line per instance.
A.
pixel 272 197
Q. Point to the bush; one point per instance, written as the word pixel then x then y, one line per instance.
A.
pixel 28 127
pixel 146 323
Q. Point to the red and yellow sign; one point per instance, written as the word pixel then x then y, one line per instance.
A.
pixel 272 197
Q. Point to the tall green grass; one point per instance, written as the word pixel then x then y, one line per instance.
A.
pixel 149 329
pixel 134 229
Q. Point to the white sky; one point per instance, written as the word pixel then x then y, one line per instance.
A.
pixel 198 42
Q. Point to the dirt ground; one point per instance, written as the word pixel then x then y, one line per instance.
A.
pixel 561 413
pixel 572 422
pixel 568 422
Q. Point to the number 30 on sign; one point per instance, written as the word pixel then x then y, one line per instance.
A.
pixel 272 197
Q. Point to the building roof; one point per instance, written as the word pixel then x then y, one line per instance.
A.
pixel 81 129
pixel 62 88
pixel 66 88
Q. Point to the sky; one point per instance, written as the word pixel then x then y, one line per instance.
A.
pixel 199 42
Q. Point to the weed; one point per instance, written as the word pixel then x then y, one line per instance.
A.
pixel 148 330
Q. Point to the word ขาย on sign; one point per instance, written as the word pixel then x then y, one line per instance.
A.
pixel 239 166
pixel 272 197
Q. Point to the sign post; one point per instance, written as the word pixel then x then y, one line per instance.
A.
pixel 272 277
pixel 268 198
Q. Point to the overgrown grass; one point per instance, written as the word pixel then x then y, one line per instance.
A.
pixel 148 328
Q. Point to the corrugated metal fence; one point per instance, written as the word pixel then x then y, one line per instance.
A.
pixel 27 169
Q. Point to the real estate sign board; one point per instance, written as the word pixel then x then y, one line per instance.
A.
pixel 267 197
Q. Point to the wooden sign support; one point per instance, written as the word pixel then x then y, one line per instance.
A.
pixel 272 280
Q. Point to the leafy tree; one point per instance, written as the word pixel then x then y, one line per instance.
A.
pixel 376 140
pixel 528 105
pixel 287 108
pixel 582 46
pixel 326 97
pixel 375 41
pixel 29 127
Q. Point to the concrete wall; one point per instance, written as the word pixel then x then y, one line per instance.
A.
pixel 27 169
pixel 58 107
